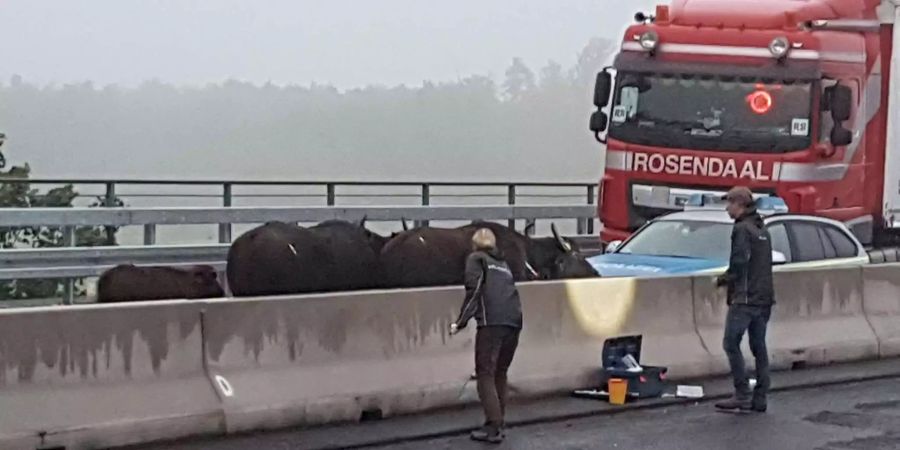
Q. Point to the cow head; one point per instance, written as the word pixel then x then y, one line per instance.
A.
pixel 206 283
pixel 557 258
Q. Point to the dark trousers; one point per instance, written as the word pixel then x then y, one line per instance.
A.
pixel 753 320
pixel 495 347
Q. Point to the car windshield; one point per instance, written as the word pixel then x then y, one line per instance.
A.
pixel 712 113
pixel 684 239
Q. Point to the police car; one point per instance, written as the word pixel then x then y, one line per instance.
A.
pixel 699 240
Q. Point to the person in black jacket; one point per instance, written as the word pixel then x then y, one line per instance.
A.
pixel 493 301
pixel 750 298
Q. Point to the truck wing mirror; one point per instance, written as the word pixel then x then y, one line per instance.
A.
pixel 599 120
pixel 841 136
pixel 841 103
pixel 602 88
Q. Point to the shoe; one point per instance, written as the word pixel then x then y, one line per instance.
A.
pixel 735 404
pixel 485 434
pixel 758 406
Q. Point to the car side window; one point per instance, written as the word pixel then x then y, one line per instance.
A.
pixel 780 242
pixel 830 252
pixel 843 245
pixel 807 242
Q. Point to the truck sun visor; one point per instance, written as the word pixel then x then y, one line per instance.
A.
pixel 793 70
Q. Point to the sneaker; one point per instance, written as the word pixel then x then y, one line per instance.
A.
pixel 735 404
pixel 486 434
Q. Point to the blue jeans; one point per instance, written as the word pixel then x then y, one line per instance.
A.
pixel 753 320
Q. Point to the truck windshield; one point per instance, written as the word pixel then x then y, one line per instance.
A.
pixel 712 113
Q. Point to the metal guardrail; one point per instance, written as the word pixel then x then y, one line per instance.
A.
pixel 77 262
pixel 21 217
pixel 82 262
pixel 330 190
pixel 92 261
pixel 70 218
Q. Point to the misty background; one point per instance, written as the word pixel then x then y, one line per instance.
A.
pixel 306 90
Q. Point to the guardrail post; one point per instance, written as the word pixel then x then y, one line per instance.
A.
pixel 109 201
pixel 68 297
pixel 590 201
pixel 511 200
pixel 426 201
pixel 224 228
pixel 330 196
pixel 150 234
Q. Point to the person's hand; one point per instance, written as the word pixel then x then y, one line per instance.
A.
pixel 454 328
pixel 720 281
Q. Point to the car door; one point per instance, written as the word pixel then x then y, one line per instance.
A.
pixel 812 244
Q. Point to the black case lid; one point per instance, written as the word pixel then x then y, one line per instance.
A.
pixel 614 349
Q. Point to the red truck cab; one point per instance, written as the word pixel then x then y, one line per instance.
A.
pixel 786 97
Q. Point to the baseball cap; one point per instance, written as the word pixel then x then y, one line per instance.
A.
pixel 739 194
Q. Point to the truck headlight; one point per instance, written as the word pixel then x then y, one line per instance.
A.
pixel 779 47
pixel 649 40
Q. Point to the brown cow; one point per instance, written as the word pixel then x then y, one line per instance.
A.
pixel 129 283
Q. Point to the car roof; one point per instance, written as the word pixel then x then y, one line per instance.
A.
pixel 698 215
pixel 718 216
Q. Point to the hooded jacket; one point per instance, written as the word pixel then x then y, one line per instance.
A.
pixel 491 295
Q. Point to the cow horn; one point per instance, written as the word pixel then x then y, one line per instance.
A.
pixel 559 240
pixel 362 222
pixel 529 228
pixel 405 226
pixel 531 271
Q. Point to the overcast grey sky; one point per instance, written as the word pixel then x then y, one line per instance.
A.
pixel 342 42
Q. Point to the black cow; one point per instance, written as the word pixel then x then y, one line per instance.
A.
pixel 280 258
pixel 436 256
pixel 128 283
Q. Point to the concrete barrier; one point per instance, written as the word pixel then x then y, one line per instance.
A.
pixel 317 359
pixel 818 319
pixel 325 358
pixel 98 376
pixel 882 305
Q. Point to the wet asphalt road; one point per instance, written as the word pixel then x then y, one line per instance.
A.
pixel 859 416
pixel 864 416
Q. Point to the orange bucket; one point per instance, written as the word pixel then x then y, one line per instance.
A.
pixel 618 390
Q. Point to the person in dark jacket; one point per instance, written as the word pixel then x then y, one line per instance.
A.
pixel 493 301
pixel 750 298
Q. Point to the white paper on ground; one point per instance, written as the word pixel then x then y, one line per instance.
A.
pixel 685 391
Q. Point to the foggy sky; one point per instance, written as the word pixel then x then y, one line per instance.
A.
pixel 340 42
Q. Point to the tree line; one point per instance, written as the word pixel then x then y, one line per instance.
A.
pixel 529 125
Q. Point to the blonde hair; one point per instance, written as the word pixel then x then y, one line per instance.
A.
pixel 484 239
